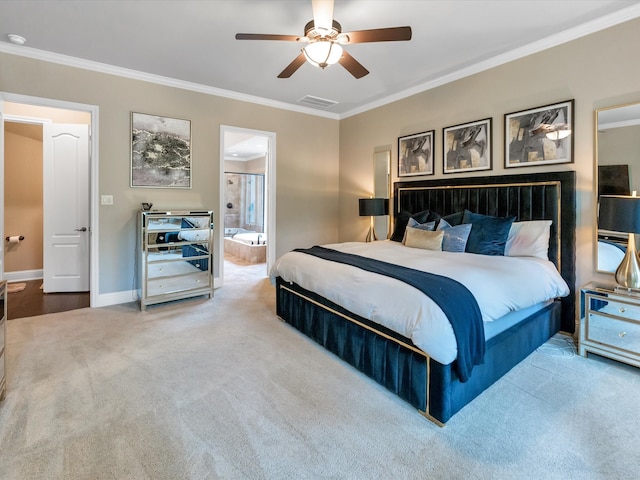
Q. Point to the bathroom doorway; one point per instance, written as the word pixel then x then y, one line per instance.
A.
pixel 247 200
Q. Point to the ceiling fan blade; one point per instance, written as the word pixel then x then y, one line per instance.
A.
pixel 293 66
pixel 392 34
pixel 266 36
pixel 322 14
pixel 354 67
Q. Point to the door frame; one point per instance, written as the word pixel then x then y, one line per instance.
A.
pixel 270 185
pixel 93 177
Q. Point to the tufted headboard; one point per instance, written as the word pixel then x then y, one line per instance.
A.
pixel 537 196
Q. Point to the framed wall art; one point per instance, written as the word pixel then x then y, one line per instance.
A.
pixel 539 136
pixel 160 151
pixel 467 147
pixel 415 154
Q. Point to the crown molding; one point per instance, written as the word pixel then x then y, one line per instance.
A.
pixel 75 62
pixel 585 29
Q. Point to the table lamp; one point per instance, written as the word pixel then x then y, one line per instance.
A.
pixel 373 207
pixel 621 213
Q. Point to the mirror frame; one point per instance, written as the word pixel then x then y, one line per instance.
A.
pixel 382 187
pixel 596 147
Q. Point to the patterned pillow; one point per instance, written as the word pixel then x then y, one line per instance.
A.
pixel 455 237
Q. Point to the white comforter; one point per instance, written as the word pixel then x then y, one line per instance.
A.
pixel 499 284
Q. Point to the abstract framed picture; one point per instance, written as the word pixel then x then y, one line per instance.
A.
pixel 467 147
pixel 160 151
pixel 415 154
pixel 539 136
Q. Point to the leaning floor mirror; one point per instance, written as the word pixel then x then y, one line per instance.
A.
pixel 382 187
pixel 617 172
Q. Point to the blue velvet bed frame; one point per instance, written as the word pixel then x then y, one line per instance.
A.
pixel 392 360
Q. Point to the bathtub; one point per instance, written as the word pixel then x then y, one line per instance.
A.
pixel 250 247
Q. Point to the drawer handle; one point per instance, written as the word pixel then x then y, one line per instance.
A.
pixel 622 334
pixel 622 309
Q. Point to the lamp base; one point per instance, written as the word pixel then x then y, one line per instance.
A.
pixel 628 272
pixel 371 235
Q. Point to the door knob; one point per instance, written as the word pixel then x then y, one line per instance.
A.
pixel 83 229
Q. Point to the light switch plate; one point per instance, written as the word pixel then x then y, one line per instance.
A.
pixel 106 199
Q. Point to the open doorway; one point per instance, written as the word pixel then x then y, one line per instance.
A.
pixel 247 201
pixel 35 138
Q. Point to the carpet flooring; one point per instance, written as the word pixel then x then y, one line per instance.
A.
pixel 222 389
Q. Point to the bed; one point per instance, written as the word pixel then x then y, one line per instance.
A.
pixel 392 358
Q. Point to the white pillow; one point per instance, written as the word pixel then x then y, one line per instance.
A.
pixel 425 239
pixel 194 235
pixel 529 239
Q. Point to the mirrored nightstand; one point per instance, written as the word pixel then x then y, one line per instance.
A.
pixel 610 323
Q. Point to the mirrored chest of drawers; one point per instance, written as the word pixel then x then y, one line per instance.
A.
pixel 610 323
pixel 175 255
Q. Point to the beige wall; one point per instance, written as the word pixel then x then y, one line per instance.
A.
pixel 598 70
pixel 306 157
pixel 23 196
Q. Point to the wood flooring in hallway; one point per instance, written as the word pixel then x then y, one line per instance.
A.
pixel 32 301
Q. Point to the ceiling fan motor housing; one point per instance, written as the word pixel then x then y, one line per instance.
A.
pixel 311 33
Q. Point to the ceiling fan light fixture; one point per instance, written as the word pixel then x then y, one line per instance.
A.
pixel 323 53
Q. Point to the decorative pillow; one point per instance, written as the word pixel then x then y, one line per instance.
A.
pixel 489 234
pixel 429 226
pixel 425 239
pixel 455 238
pixel 194 235
pixel 529 239
pixel 402 219
pixel 422 226
pixel 454 219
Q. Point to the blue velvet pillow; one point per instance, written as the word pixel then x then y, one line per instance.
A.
pixel 454 219
pixel 402 219
pixel 455 237
pixel 488 234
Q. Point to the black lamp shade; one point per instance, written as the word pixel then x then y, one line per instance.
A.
pixel 373 207
pixel 619 213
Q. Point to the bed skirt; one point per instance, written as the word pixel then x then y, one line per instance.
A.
pixel 396 363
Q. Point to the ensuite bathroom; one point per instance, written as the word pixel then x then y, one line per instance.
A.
pixel 244 233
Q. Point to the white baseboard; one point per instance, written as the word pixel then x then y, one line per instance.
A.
pixel 126 296
pixel 115 298
pixel 23 275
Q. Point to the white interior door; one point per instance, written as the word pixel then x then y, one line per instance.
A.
pixel 66 208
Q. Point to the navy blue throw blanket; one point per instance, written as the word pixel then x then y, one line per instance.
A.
pixel 455 300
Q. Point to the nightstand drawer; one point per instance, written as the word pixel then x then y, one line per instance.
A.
pixel 616 333
pixel 607 305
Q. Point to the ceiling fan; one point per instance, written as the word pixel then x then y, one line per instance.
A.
pixel 324 39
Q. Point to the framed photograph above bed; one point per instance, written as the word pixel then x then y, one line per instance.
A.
pixel 539 136
pixel 415 154
pixel 160 151
pixel 467 147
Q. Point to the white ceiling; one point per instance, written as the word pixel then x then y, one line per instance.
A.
pixel 191 44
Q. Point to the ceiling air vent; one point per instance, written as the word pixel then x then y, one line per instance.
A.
pixel 312 101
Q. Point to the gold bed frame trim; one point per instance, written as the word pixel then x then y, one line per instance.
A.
pixel 378 332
